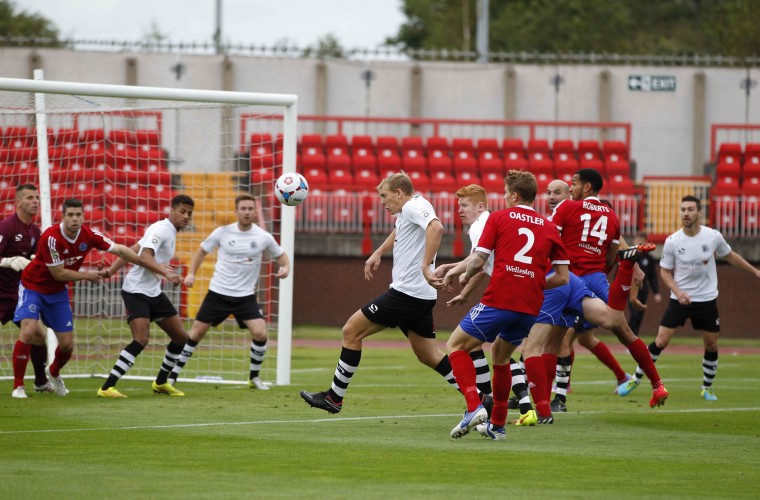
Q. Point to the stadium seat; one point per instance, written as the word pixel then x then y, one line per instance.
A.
pixel 462 144
pixel 589 150
pixel 124 233
pixel 728 168
pixel 563 147
pixel 487 146
pixel 340 179
pixel 438 147
pixel 443 182
pixel 151 159
pixel 366 179
pixel 312 141
pixel 620 184
pixel 726 186
pixel 20 137
pixel 413 154
pixel 337 158
pixel 159 196
pixel 121 136
pixel 615 165
pixel 362 142
pixel 317 177
pixel 513 148
pixel 538 147
pixel 312 156
pixel 618 148
pixel 514 162
pixel 152 137
pixel 363 160
pixel 18 155
pixel 438 161
pixel 751 185
pixel 594 163
pixel 542 181
pixel 565 164
pixel 421 181
pixel 336 141
pixel 261 156
pixel 465 161
pixel 465 178
pixel 66 138
pixel 730 152
pixel 541 164
pixel 493 182
pixel 752 155
pixel 387 142
pixel 490 162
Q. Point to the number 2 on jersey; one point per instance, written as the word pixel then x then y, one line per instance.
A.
pixel 598 231
pixel 521 255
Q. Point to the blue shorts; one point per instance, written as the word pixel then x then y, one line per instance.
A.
pixel 54 308
pixel 597 283
pixel 486 323
pixel 562 305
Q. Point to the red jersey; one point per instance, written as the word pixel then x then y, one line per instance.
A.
pixel 55 249
pixel 16 238
pixel 588 229
pixel 522 241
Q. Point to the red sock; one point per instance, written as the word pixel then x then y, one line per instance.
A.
pixel 603 354
pixel 536 373
pixel 502 384
pixel 60 360
pixel 464 373
pixel 640 353
pixel 550 365
pixel 38 355
pixel 20 360
pixel 620 289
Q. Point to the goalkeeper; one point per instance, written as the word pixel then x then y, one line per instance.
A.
pixel 232 290
pixel 18 241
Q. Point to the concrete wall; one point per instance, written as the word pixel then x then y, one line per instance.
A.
pixel 670 129
pixel 342 279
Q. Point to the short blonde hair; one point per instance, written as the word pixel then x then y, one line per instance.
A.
pixel 397 181
pixel 477 193
pixel 523 183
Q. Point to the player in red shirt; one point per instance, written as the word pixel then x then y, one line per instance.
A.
pixel 591 233
pixel 18 240
pixel 522 243
pixel 43 290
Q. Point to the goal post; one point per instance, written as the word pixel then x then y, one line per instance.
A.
pixel 127 150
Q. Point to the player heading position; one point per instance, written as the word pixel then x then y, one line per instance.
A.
pixel 145 302
pixel 409 302
pixel 522 243
pixel 688 269
pixel 18 242
pixel 232 290
pixel 43 291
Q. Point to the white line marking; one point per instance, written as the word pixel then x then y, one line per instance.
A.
pixel 351 419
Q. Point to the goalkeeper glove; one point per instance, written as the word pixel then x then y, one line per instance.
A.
pixel 17 263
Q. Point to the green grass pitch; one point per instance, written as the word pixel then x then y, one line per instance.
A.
pixel 390 441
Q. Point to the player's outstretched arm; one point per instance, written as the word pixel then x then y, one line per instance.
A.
pixel 17 263
pixel 128 255
pixel 371 265
pixel 739 262
pixel 195 264
pixel 284 262
pixel 60 273
pixel 471 286
pixel 148 261
pixel 119 263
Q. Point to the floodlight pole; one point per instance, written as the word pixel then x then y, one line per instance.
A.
pixel 482 31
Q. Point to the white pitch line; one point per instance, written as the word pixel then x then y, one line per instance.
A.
pixel 351 419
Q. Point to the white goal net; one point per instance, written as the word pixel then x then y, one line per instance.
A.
pixel 126 152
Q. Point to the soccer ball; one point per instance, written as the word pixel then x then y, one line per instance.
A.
pixel 291 189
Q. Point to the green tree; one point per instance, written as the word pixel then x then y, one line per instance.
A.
pixel 23 25
pixel 327 47
pixel 664 27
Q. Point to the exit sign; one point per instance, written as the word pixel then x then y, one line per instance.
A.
pixel 652 83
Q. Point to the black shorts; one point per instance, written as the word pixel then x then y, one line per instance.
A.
pixel 704 315
pixel 396 309
pixel 217 307
pixel 155 308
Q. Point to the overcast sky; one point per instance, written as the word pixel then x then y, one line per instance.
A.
pixel 355 23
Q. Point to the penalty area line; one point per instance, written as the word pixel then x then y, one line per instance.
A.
pixel 349 419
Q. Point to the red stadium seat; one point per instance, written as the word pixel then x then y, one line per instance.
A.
pixel 312 156
pixel 563 146
pixel 465 161
pixel 618 148
pixel 366 179
pixel 443 182
pixel 730 152
pixel 589 150
pixel 413 160
pixel 752 157
pixel 388 160
pixel 726 186
pixel 362 142
pixel 151 159
pixel 462 144
pixel 617 166
pixel 437 147
pixel 340 179
pixel 565 163
pixel 337 158
pixel 93 135
pixel 538 146
pixel 438 161
pixel 596 164
pixel 20 137
pixel 487 146
pixel 493 182
pixel 728 168
pixel 421 181
pixel 312 141
pixel 490 162
pixel 151 137
pixel 513 148
pixel 540 164
pixel 517 163
pixel 159 196
pixel 124 233
pixel 336 141
pixel 363 160
pixel 261 156
pixel 620 184
pixel 751 185
pixel 316 177
pixel 66 137
pixel 121 136
pixel 387 142
pixel 466 178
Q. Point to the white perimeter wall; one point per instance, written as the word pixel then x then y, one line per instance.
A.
pixel 662 122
